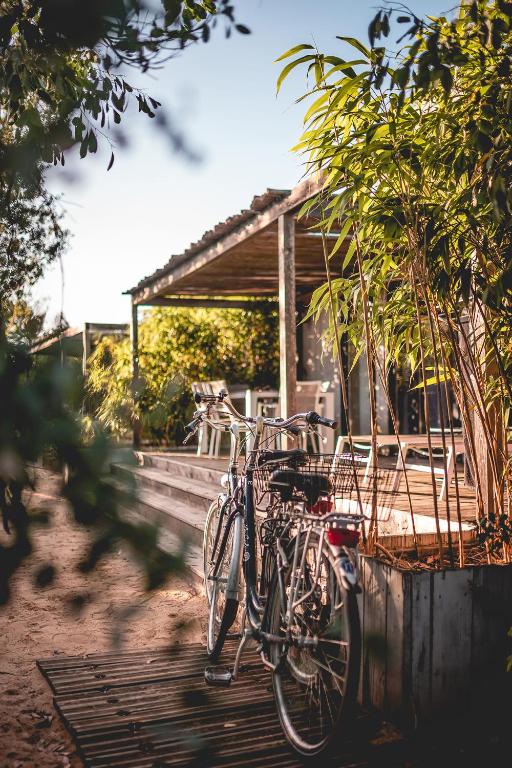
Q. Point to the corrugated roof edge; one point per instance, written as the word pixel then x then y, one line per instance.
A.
pixel 259 203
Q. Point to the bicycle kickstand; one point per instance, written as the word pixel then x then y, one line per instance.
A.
pixel 223 676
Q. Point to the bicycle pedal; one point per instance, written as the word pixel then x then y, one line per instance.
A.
pixel 220 676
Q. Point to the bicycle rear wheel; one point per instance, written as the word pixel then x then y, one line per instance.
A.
pixel 315 686
pixel 224 594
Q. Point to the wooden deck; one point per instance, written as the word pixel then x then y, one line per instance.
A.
pixel 420 487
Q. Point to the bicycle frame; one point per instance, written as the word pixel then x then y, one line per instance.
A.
pixel 244 544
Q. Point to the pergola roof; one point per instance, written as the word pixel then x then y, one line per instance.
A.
pixel 239 257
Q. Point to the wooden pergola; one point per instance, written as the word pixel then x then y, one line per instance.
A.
pixel 77 342
pixel 262 254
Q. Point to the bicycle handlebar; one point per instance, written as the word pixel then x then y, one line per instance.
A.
pixel 311 418
pixel 315 418
pixel 193 425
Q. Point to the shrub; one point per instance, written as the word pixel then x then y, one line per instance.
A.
pixel 177 347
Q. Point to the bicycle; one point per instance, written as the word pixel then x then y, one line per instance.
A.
pixel 225 595
pixel 301 608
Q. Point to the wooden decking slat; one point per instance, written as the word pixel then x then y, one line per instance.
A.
pixel 144 715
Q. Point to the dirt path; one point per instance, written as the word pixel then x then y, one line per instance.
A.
pixel 39 623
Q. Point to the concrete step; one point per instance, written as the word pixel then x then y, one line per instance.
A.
pixel 187 492
pixel 179 468
pixel 167 540
pixel 181 520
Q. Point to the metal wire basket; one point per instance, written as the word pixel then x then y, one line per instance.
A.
pixel 309 477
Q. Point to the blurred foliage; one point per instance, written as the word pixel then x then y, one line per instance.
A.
pixel 62 85
pixel 31 235
pixel 23 319
pixel 176 348
pixel 60 76
pixel 35 418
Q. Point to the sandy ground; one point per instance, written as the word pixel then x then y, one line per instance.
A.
pixel 39 623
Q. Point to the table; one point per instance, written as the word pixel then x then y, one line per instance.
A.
pixel 407 442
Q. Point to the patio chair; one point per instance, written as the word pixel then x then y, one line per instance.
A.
pixel 210 444
pixel 308 398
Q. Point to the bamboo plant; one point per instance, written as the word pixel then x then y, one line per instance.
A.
pixel 414 148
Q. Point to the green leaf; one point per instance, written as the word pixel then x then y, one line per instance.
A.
pixel 289 67
pixel 173 10
pixel 432 380
pixel 93 142
pixel 341 237
pixel 356 44
pixel 349 254
pixel 293 51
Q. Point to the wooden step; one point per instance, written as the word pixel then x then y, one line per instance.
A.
pixel 193 493
pixel 169 540
pixel 179 468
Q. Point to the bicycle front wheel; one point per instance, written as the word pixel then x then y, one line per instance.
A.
pixel 224 594
pixel 317 666
pixel 215 516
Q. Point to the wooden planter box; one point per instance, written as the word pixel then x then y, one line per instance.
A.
pixel 435 644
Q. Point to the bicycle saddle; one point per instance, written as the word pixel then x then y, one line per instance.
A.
pixel 312 485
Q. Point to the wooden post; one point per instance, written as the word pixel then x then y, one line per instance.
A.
pixel 134 337
pixel 287 319
pixel 86 344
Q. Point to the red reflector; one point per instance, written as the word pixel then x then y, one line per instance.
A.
pixel 342 537
pixel 322 507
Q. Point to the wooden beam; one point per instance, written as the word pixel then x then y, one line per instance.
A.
pixel 287 317
pixel 167 301
pixel 258 223
pixel 86 343
pixel 134 338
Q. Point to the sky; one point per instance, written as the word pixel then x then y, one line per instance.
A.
pixel 154 202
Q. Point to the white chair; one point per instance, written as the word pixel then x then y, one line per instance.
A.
pixel 210 445
pixel 308 398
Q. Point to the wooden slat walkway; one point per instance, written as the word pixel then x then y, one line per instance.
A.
pixel 152 709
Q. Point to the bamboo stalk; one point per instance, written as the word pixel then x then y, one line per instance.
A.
pixel 344 397
pixel 430 310
pixel 402 458
pixel 474 380
pixel 448 367
pixel 373 529
pixel 427 422
pixel 464 405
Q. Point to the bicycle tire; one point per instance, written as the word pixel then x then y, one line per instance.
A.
pixel 299 674
pixel 213 519
pixel 223 610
